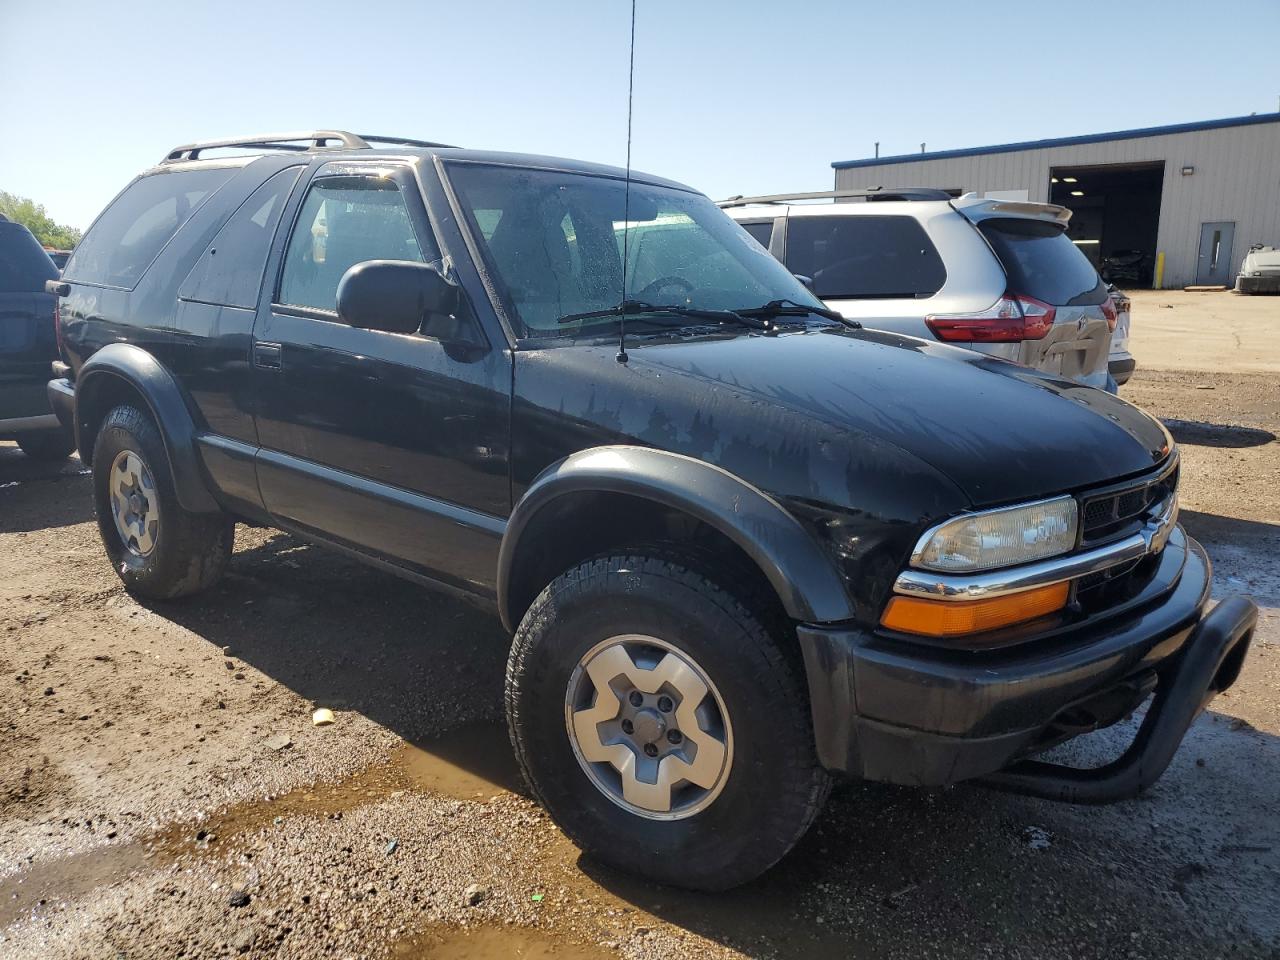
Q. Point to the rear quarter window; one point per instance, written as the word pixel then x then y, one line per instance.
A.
pixel 871 257
pixel 1042 262
pixel 131 232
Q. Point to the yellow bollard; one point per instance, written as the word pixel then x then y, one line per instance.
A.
pixel 1159 284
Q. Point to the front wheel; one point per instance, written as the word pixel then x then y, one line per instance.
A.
pixel 160 550
pixel 661 725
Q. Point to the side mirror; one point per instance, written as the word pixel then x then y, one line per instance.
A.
pixel 394 295
pixel 807 281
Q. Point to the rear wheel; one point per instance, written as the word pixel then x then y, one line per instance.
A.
pixel 48 444
pixel 160 550
pixel 661 724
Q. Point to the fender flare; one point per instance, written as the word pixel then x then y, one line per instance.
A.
pixel 165 402
pixel 801 573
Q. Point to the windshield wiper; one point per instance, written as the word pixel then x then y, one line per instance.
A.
pixel 784 306
pixel 630 308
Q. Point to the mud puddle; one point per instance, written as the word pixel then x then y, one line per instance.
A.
pixel 468 763
pixel 471 762
pixel 493 943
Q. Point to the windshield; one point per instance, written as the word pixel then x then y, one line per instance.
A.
pixel 554 244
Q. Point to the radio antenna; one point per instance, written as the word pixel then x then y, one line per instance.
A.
pixel 626 204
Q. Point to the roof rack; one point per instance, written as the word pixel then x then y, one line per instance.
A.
pixel 402 141
pixel 870 193
pixel 302 140
pixel 316 140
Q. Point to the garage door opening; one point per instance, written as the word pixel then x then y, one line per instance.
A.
pixel 1115 214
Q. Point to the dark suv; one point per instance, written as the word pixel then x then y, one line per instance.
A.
pixel 27 346
pixel 742 544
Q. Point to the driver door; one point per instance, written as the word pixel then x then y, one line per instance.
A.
pixel 387 444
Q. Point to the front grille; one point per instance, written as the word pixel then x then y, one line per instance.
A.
pixel 1115 511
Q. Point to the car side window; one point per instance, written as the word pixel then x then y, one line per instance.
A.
pixel 344 221
pixel 865 257
pixel 229 272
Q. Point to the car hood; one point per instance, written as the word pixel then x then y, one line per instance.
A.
pixel 998 431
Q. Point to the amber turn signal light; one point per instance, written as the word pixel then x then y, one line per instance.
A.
pixel 950 618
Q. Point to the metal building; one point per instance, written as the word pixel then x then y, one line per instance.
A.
pixel 1162 206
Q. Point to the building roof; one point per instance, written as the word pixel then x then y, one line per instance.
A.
pixel 1064 141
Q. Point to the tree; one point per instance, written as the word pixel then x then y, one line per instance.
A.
pixel 33 216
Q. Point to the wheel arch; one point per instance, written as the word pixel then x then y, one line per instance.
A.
pixel 126 373
pixel 597 485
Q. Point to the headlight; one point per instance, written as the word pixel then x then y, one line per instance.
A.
pixel 999 538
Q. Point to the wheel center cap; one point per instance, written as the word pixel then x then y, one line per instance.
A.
pixel 137 504
pixel 649 726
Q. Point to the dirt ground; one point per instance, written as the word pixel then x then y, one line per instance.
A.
pixel 164 793
pixel 1222 332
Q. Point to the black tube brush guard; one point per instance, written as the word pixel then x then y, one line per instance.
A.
pixel 1209 663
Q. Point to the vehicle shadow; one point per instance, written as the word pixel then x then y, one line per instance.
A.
pixel 36 495
pixel 1242 551
pixel 1215 528
pixel 1198 433
pixel 898 872
pixel 343 635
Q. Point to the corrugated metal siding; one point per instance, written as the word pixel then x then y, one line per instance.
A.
pixel 1237 179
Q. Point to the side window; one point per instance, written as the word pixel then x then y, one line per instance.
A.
pixel 761 230
pixel 230 271
pixel 134 229
pixel 865 257
pixel 344 221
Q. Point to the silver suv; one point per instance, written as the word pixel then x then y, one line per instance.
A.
pixel 996 276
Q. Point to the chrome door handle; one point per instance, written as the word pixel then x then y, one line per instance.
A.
pixel 267 356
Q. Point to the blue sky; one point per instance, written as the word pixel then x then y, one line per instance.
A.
pixel 731 97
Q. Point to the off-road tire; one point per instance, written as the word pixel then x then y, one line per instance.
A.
pixel 48 445
pixel 775 787
pixel 191 549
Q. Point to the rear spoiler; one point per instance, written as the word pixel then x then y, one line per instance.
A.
pixel 976 208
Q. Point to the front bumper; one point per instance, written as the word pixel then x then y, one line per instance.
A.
pixel 900 712
pixel 1267 283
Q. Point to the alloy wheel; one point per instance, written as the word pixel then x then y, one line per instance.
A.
pixel 135 504
pixel 649 727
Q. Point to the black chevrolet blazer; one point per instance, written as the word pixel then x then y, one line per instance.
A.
pixel 742 544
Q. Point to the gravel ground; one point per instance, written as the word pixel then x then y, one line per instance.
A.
pixel 149 806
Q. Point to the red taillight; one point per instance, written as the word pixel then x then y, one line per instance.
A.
pixel 1012 318
pixel 1111 313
